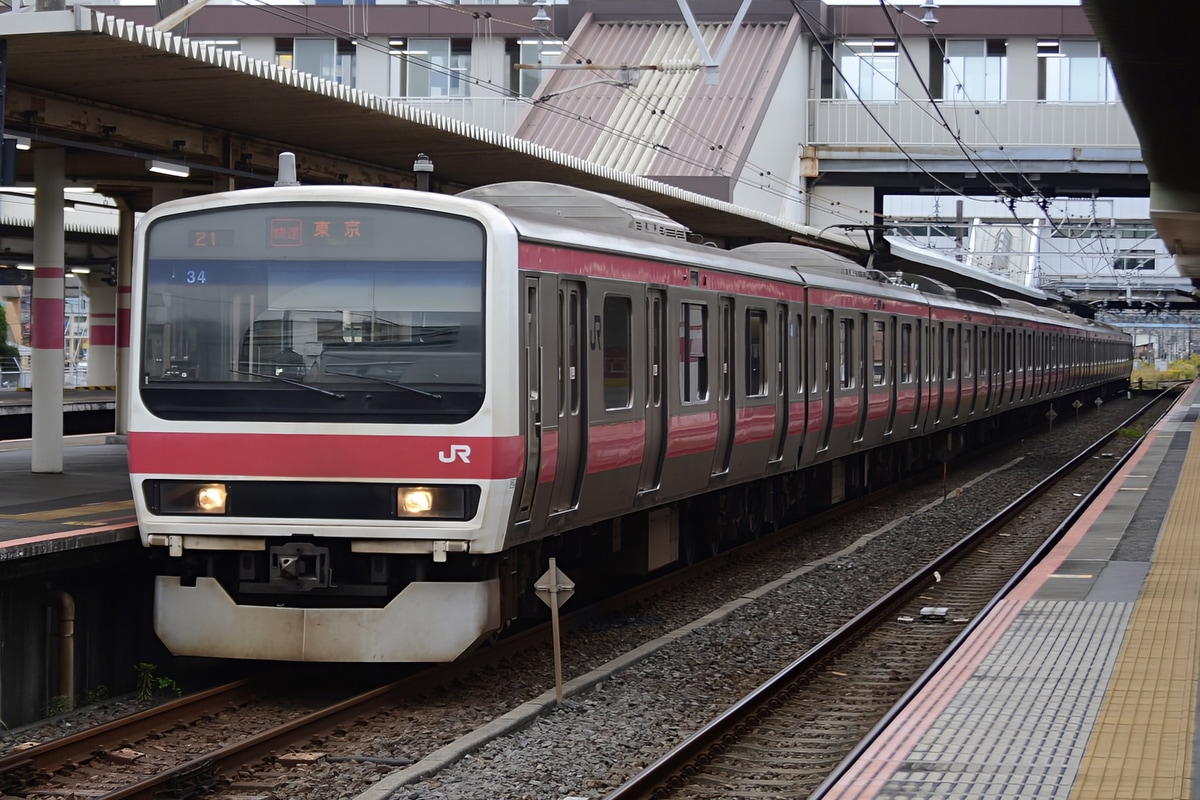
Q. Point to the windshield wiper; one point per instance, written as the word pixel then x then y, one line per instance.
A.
pixel 413 389
pixel 282 379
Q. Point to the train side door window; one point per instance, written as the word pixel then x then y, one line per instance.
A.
pixel 656 368
pixel 801 350
pixel 906 353
pixel 726 349
pixel 615 337
pixel 818 360
pixel 968 364
pixel 951 353
pixel 571 357
pixel 877 353
pixel 756 379
pixel 693 353
pixel 846 352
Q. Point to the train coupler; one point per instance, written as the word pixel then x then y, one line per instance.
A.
pixel 300 566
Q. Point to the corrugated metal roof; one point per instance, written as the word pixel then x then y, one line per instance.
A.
pixel 88 81
pixel 671 121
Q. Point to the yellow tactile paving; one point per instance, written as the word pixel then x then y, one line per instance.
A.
pixel 1141 746
pixel 72 511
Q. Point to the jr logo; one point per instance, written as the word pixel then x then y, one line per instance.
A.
pixel 457 451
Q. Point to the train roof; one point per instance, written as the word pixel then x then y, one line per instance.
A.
pixel 581 205
pixel 578 217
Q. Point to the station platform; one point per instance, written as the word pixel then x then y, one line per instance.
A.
pixel 1081 682
pixel 89 503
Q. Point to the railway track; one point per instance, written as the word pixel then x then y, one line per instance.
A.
pixel 254 763
pixel 793 731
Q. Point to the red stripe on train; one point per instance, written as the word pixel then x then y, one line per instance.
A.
pixel 755 424
pixel 307 456
pixel 615 446
pixel 691 434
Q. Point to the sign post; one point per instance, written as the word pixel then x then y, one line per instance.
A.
pixel 555 588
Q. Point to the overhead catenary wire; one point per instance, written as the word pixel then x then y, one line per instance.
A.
pixel 333 30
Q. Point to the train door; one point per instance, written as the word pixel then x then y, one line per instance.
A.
pixel 572 398
pixel 532 382
pixel 781 382
pixel 656 400
pixel 726 410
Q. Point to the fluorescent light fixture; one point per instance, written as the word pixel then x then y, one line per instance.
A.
pixel 81 270
pixel 23 142
pixel 550 53
pixel 26 267
pixel 168 168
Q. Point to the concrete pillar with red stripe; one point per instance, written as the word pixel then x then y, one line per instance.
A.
pixel 102 332
pixel 125 226
pixel 48 318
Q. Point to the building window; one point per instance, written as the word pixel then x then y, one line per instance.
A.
pixel 532 52
pixel 328 59
pixel 1137 259
pixel 868 71
pixel 1074 71
pixel 283 53
pixel 972 70
pixel 228 45
pixel 430 67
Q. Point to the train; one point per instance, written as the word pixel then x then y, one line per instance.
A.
pixel 363 418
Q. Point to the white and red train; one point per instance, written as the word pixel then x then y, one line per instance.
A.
pixel 362 418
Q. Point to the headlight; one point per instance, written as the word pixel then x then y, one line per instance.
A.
pixel 430 502
pixel 191 498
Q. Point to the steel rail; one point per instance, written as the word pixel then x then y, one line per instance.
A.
pixel 659 774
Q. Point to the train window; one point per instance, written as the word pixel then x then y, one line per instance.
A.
pixel 756 379
pixel 574 345
pixel 562 383
pixel 846 352
pixel 801 348
pixel 726 348
pixel 693 351
pixel 968 365
pixel 818 358
pixel 781 337
pixel 951 353
pixel 906 352
pixel 657 332
pixel 282 311
pixel 615 335
pixel 877 343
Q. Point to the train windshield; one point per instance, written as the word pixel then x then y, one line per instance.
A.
pixel 323 312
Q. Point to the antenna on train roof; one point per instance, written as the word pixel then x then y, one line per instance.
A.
pixel 287 170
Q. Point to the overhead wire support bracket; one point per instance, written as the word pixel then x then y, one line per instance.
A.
pixel 712 64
